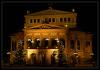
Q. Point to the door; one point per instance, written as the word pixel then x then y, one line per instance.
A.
pixel 42 57
pixel 33 58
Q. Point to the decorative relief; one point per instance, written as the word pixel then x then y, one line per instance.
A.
pixel 51 34
pixel 61 33
pixel 45 33
pixel 36 33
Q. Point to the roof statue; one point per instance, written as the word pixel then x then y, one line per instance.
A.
pixel 73 10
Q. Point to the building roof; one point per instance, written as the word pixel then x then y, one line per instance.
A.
pixel 49 11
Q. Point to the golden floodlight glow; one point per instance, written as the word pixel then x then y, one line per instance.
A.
pixel 38 39
pixel 50 51
pixel 66 25
pixel 56 39
pixel 47 39
pixel 30 51
pixel 32 41
pixel 29 39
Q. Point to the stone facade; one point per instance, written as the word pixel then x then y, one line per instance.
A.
pixel 46 33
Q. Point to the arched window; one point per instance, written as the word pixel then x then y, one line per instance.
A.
pixel 13 45
pixel 34 20
pixel 30 20
pixel 45 42
pixel 72 44
pixel 30 43
pixel 61 20
pixel 53 19
pixel 65 19
pixel 53 42
pixel 49 19
pixel 38 20
pixel 46 20
pixel 37 42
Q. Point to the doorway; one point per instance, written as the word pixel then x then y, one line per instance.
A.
pixel 54 58
pixel 42 57
pixel 33 58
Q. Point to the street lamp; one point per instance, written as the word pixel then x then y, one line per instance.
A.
pixel 8 56
pixel 76 57
pixel 8 53
pixel 92 54
pixel 75 53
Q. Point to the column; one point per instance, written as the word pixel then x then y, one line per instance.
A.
pixel 11 43
pixel 11 53
pixel 91 46
pixel 25 46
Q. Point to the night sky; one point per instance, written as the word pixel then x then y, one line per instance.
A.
pixel 13 17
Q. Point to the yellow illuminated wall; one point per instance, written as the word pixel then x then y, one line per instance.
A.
pixel 30 51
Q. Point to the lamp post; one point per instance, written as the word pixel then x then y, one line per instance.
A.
pixel 8 54
pixel 76 59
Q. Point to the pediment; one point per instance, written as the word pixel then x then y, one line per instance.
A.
pixel 46 26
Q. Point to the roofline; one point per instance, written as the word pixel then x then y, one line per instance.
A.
pixel 66 12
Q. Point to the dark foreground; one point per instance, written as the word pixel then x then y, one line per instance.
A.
pixel 22 66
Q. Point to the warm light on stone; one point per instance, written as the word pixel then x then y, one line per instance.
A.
pixel 47 34
pixel 66 25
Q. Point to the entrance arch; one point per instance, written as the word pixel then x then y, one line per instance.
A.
pixel 42 57
pixel 54 58
pixel 33 58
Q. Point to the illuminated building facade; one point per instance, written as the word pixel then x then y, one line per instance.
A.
pixel 49 37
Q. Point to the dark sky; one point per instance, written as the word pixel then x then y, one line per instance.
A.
pixel 13 16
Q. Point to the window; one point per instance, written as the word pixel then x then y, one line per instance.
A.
pixel 30 20
pixel 72 44
pixel 78 44
pixel 49 19
pixel 34 20
pixel 65 19
pixel 38 20
pixel 61 19
pixel 46 42
pixel 53 42
pixel 13 45
pixel 37 42
pixel 46 20
pixel 30 43
pixel 68 19
pixel 53 19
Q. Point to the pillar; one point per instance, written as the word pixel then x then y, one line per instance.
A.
pixel 11 55
pixel 25 46
pixel 91 46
